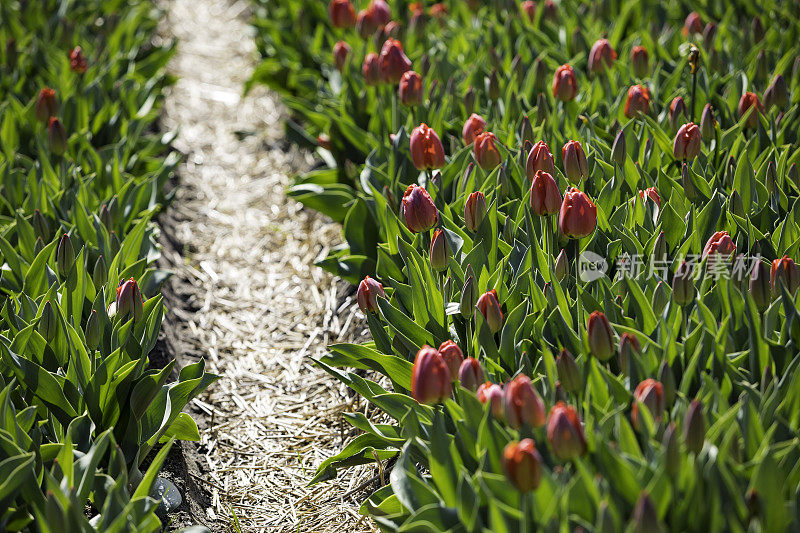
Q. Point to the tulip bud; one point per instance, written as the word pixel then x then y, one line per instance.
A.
pixel 526 131
pixel 793 175
pixel 652 194
pixel 493 86
pixel 682 286
pixel 470 374
pixel 561 266
pixel 784 270
pixel 660 246
pixel 759 286
pixel 709 33
pixel 430 377
pixel 601 336
pixel 92 332
pixel 439 252
pixel 489 307
pixel 569 373
pixel 645 516
pixel 77 63
pixel 38 246
pixel 771 177
pixel 370 69
pixel 393 61
pixel 48 323
pixel 777 94
pixel 747 101
pixel 65 256
pixel 410 89
pixel 565 432
pixel 686 145
pixel 342 14
pixel 452 356
pixel 474 211
pixel 629 347
pixel 427 151
pixel 677 113
pixel 492 394
pixel 529 8
pixel 46 105
pixel 638 101
pixel 667 379
pixel 693 24
pixel 640 61
pixel 565 85
pixel 540 75
pixel 486 153
pixel 367 295
pixel 129 300
pixel 100 273
pixel 523 464
pixel 672 450
pixel 619 153
pixel 522 404
pixel 518 68
pixel 720 242
pixel 578 215
pixel 541 109
pixel 708 123
pixel 575 165
pixel 694 427
pixel 469 297
pixel 605 520
pixel 473 126
pixel 11 54
pixel 757 28
pixel 545 196
pixel 57 136
pixel 115 244
pixel 601 56
pixel 341 51
pixel 469 100
pixel 40 226
pixel 539 158
pixel 649 393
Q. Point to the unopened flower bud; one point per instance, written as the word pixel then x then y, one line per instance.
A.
pixel 367 295
pixel 469 297
pixel 629 348
pixel 784 271
pixel 452 356
pixel 542 111
pixel 341 52
pixel 419 211
pixel 601 336
pixel 667 379
pixel 523 465
pixel 660 246
pixel 777 94
pixel 687 143
pixel 569 373
pixel 576 168
pixel 129 300
pixel 492 394
pixel 522 404
pixel 757 28
pixel 65 256
pixel 92 332
pixel 760 286
pixel 672 450
pixel 645 516
pixel 474 211
pixel 649 393
pixel 618 150
pixel 565 432
pixel 526 130
pixel 57 136
pixel 48 323
pixel 46 105
pixel 694 427
pixel 640 61
pixel 540 75
pixel 489 307
pixel 682 286
pixel 469 100
pixel 40 226
pixel 708 123
pixel 565 84
pixel 493 85
pixel 747 101
pixel 473 126
pixel 439 251
pixel 470 374
pixel 545 196
pixel 99 273
pixel 601 57
pixel 430 377
pixel 486 153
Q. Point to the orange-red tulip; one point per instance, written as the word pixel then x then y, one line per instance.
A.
pixel 427 151
pixel 578 215
pixel 545 196
pixel 418 209
pixel 523 465
pixel 430 377
pixel 565 432
pixel 638 101
pixel 565 85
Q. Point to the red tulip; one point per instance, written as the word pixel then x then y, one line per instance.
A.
pixel 472 127
pixel 720 243
pixel 438 11
pixel 46 105
pixel 342 14
pixel 341 51
pixel 686 145
pixel 565 85
pixel 410 89
pixel 565 432
pixel 57 136
pixel 486 153
pixel 492 393
pixel 418 209
pixel 529 8
pixel 381 11
pixel 367 295
pixel 474 211
pixel 640 60
pixel 371 69
pixel 601 56
pixel 638 101
pixel 470 374
pixel 539 158
pixel 392 29
pixel 427 151
pixel 545 196
pixel 430 378
pixel 522 405
pixel 651 193
pixel 693 24
pixel 575 165
pixel 747 101
pixel 677 112
pixel 523 465
pixel 784 269
pixel 601 336
pixel 366 23
pixel 76 60
pixel 490 309
pixel 578 215
pixel 651 393
pixel 550 10
pixel 453 357
pixel 393 61
pixel 129 300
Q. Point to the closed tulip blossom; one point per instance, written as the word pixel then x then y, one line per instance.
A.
pixel 539 158
pixel 492 394
pixel 418 209
pixel 720 243
pixel 677 112
pixel 489 307
pixel 393 61
pixel 576 167
pixel 452 356
pixel 529 8
pixel 366 23
pixel 381 11
pixel 57 136
pixel 651 394
pixel 601 56
pixel 565 85
pixel 747 101
pixel 77 63
pixel 640 61
pixel 638 101
pixel 470 374
pixel 474 211
pixel 601 336
pixel 652 194
pixel 565 432
pixel 693 24
pixel 430 377
pixel 777 94
pixel 486 153
pixel 342 14
pixel 545 195
pixel 439 252
pixel 341 51
pixel 687 143
pixel 708 123
pixel 472 127
pixel 427 151
pixel 569 373
pixel 522 404
pixel 46 105
pixel 578 215
pixel 367 294
pixel 129 300
pixel 784 270
pixel 760 285
pixel 371 69
pixel 410 89
pixel 523 465
pixel 629 347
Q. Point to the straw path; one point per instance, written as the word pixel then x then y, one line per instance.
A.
pixel 249 298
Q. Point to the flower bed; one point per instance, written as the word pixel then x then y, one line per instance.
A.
pixel 82 176
pixel 591 210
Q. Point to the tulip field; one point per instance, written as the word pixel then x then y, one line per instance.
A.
pixel 573 229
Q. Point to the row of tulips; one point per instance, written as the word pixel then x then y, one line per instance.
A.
pixel 615 318
pixel 82 174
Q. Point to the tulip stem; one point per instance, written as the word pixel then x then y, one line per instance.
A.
pixel 578 303
pixel 551 253
pixel 694 92
pixel 523 507
pixel 394 112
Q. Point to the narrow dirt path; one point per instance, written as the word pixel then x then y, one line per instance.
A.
pixel 249 298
